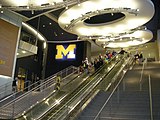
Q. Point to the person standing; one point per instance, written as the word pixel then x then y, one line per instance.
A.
pixel 122 51
pixel 140 58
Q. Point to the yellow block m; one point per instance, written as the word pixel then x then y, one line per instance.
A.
pixel 68 52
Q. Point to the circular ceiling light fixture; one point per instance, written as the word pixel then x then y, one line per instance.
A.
pixel 134 13
pixel 136 38
pixel 28 2
pixel 27 5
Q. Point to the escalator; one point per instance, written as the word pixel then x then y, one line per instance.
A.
pixel 64 102
pixel 134 98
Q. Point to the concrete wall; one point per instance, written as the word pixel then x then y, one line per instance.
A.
pixel 10 33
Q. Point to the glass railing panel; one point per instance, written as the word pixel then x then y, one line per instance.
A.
pixel 94 80
pixel 37 92
pixel 63 113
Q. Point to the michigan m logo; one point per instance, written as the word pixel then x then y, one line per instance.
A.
pixel 66 53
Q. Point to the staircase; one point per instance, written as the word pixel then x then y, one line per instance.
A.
pixel 129 103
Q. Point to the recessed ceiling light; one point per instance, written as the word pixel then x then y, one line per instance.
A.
pixel 55 33
pixel 62 33
pixel 17 53
pixel 50 23
pixel 1 11
pixel 32 11
pixel 24 51
pixel 54 3
pixel 66 7
pixel 43 25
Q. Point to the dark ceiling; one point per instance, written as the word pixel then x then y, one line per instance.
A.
pixel 52 31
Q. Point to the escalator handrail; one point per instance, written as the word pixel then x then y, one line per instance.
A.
pixel 88 88
pixel 37 87
pixel 106 102
pixel 95 74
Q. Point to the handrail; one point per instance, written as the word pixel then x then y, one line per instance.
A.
pixel 140 81
pixel 23 95
pixel 96 73
pixel 45 81
pixel 8 84
pixel 73 97
pixel 43 87
pixel 150 96
pixel 112 91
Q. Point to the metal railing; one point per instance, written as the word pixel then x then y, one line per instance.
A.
pixel 53 103
pixel 114 89
pixel 142 72
pixel 70 105
pixel 37 92
pixel 150 97
pixel 6 90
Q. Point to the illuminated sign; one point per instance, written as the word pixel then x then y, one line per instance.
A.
pixel 66 52
pixel 2 62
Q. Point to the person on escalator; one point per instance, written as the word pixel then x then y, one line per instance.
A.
pixel 122 52
pixel 140 57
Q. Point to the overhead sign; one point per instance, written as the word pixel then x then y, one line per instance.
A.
pixel 66 52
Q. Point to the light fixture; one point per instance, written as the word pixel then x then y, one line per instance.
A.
pixel 2 11
pixel 0 6
pixel 54 3
pixel 37 4
pixel 76 15
pixel 44 45
pixel 32 11
pixel 24 52
pixel 78 2
pixel 66 7
pixel 55 33
pixel 128 40
pixel 44 5
pixel 89 14
pixel 112 37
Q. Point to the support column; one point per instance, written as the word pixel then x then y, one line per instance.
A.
pixel 87 50
pixel 158 42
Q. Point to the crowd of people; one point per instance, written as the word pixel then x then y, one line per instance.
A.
pixel 101 59
pixel 96 62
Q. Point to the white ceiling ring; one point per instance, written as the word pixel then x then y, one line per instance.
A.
pixel 27 2
pixel 145 11
pixel 137 38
